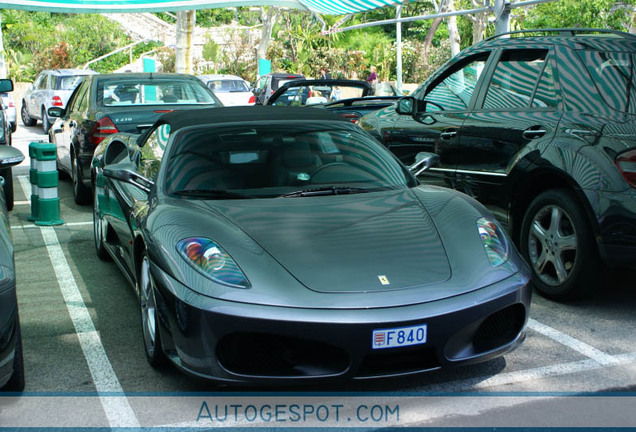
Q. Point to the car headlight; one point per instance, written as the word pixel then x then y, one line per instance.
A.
pixel 494 241
pixel 211 260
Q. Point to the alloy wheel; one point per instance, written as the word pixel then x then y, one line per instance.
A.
pixel 99 232
pixel 148 308
pixel 552 245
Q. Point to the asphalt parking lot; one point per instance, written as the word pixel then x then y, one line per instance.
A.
pixel 81 331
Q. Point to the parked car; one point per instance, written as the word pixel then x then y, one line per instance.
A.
pixel 108 103
pixel 8 105
pixel 351 99
pixel 266 85
pixel 230 89
pixel 272 244
pixel 385 89
pixel 6 86
pixel 51 88
pixel 11 359
pixel 540 127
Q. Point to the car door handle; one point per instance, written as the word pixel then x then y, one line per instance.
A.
pixel 532 133
pixel 448 134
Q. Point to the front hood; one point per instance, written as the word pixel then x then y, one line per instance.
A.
pixel 349 243
pixel 328 252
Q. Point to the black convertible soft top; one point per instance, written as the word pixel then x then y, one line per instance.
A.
pixel 185 118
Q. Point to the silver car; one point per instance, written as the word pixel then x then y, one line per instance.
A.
pixel 51 88
pixel 8 106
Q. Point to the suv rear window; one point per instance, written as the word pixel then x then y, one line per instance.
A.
pixel 68 82
pixel 613 76
pixel 151 92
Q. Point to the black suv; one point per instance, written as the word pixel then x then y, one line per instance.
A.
pixel 540 126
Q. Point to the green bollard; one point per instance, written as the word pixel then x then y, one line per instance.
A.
pixel 48 207
pixel 34 182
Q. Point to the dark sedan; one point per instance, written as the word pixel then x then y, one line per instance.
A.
pixel 105 104
pixel 279 244
pixel 11 361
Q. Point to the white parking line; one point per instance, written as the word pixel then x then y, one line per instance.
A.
pixel 505 378
pixel 117 409
pixel 69 224
pixel 570 342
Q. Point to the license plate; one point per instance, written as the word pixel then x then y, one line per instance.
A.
pixel 398 337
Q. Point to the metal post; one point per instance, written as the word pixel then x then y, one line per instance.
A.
pixel 398 50
pixel 3 65
pixel 502 16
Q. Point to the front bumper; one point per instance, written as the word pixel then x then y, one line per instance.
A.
pixel 234 342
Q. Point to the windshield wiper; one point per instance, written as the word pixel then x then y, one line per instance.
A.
pixel 213 193
pixel 329 190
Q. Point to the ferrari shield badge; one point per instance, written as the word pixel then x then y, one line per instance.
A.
pixel 383 280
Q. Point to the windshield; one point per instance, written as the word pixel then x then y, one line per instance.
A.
pixel 316 95
pixel 228 86
pixel 154 92
pixel 276 160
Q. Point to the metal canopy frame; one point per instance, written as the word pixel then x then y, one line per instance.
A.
pixel 500 9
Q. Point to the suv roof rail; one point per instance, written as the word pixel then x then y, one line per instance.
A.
pixel 565 32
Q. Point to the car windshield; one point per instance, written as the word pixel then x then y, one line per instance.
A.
pixel 279 160
pixel 316 95
pixel 154 92
pixel 228 86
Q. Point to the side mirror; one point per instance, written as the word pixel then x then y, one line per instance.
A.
pixel 410 106
pixel 423 161
pixel 122 173
pixel 6 85
pixel 10 156
pixel 55 112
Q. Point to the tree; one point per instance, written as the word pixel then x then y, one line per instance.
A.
pixel 479 20
pixel 453 32
pixel 268 19
pixel 186 21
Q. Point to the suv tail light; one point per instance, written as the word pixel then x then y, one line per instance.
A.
pixel 102 128
pixel 626 164
pixel 57 101
pixel 252 100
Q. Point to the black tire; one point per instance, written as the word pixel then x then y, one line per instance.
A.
pixel 8 187
pixel 81 193
pixel 558 243
pixel 98 231
pixel 46 123
pixel 14 126
pixel 26 118
pixel 17 382
pixel 149 319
